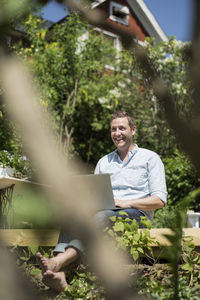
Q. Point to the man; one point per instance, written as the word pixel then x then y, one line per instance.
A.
pixel 138 183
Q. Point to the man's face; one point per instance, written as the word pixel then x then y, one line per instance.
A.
pixel 121 133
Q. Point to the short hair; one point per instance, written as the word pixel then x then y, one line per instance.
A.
pixel 123 114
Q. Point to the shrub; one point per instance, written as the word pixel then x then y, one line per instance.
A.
pixel 181 177
pixel 182 180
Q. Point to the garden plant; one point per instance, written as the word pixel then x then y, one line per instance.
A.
pixel 154 279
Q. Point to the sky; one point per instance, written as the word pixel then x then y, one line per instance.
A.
pixel 174 16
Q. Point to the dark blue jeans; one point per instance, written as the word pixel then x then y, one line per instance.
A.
pixel 101 220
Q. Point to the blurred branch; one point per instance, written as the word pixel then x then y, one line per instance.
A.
pixel 73 209
pixel 196 24
pixel 13 285
pixel 195 61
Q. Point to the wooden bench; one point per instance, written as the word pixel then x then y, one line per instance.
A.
pixel 40 237
pixel 27 237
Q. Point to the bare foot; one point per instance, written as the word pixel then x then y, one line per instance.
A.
pixel 48 264
pixel 55 281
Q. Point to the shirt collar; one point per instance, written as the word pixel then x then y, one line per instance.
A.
pixel 131 152
pixel 134 150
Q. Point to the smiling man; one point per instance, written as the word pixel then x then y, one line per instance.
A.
pixel 138 184
pixel 137 174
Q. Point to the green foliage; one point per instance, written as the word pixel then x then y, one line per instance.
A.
pixel 181 177
pixel 84 285
pixel 161 288
pixel 193 198
pixel 171 60
pixel 70 63
pixel 183 269
pixel 181 248
pixel 19 163
pixel 28 253
pixel 9 139
pixel 159 283
pixel 182 181
pixel 155 281
pixel 70 73
pixel 70 66
pixel 136 242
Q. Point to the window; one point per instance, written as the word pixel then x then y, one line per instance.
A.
pixel 119 13
pixel 114 39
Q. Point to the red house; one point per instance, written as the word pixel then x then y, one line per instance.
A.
pixel 133 16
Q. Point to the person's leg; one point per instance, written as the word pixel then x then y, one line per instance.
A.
pixel 55 280
pixel 54 269
pixel 58 262
pixel 68 251
pixel 102 218
pixel 65 240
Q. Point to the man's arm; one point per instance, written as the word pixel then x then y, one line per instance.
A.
pixel 149 203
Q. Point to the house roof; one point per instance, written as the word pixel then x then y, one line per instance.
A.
pixel 145 16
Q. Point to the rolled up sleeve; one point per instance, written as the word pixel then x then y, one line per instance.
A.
pixel 156 178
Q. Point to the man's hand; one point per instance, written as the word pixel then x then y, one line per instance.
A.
pixel 122 203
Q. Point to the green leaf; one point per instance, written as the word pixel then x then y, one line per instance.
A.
pixel 35 272
pixel 187 267
pixel 33 249
pixel 122 243
pixel 111 232
pixel 134 253
pixel 123 213
pixel 139 249
pixel 113 218
pixel 119 226
pixel 136 237
pixel 24 258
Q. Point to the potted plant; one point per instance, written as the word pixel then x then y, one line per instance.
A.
pixel 14 164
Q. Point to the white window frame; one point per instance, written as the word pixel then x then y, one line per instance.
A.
pixel 122 8
pixel 117 43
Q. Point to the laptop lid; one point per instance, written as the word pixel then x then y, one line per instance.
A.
pixel 100 189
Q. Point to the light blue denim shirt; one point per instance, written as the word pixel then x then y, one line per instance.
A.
pixel 141 176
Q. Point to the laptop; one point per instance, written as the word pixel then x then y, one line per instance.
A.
pixel 100 189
